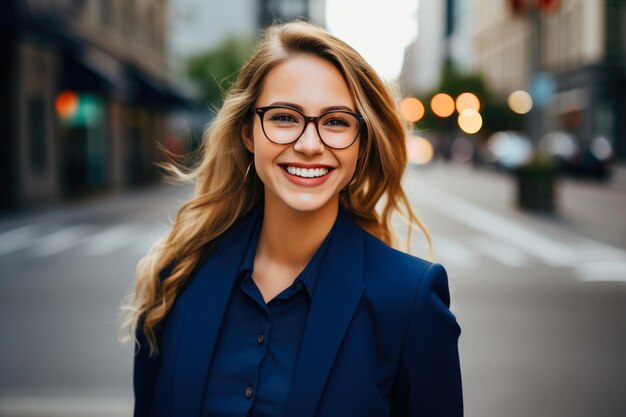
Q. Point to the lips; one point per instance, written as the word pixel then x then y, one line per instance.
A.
pixel 306 170
pixel 306 175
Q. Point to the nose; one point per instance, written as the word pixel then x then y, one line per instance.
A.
pixel 309 142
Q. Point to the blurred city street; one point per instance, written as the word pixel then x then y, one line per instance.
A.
pixel 64 273
pixel 540 299
pixel 515 140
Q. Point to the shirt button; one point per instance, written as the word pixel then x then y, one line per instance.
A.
pixel 260 339
pixel 249 392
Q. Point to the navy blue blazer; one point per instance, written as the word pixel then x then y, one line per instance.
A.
pixel 380 339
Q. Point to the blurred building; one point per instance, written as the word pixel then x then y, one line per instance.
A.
pixel 570 54
pixel 444 32
pixel 83 96
pixel 285 10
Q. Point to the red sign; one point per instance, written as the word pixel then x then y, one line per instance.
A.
pixel 521 6
pixel 548 5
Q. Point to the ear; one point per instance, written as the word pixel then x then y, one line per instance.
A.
pixel 246 137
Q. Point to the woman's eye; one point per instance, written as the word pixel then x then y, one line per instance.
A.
pixel 283 118
pixel 336 122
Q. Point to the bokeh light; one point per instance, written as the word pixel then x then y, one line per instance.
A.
pixel 601 148
pixel 467 101
pixel 419 150
pixel 66 104
pixel 442 105
pixel 412 109
pixel 510 149
pixel 558 144
pixel 462 150
pixel 520 102
pixel 470 121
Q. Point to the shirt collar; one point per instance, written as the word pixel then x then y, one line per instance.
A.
pixel 309 275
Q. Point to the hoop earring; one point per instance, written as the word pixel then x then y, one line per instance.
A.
pixel 245 178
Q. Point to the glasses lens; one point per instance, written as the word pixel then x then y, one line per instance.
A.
pixel 282 125
pixel 338 129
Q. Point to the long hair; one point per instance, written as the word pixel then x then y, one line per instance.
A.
pixel 222 196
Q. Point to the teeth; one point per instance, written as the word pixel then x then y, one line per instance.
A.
pixel 307 173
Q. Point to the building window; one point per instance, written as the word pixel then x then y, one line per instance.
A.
pixel 129 19
pixel 37 134
pixel 105 12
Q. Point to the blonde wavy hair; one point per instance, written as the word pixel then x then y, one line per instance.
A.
pixel 221 195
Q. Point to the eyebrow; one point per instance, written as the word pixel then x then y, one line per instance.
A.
pixel 299 107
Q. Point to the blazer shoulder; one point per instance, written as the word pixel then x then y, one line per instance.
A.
pixel 394 279
pixel 392 263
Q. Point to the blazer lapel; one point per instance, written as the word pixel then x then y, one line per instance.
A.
pixel 337 293
pixel 206 298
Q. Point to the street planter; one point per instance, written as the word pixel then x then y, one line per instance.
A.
pixel 536 186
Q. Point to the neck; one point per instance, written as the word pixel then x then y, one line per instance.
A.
pixel 290 237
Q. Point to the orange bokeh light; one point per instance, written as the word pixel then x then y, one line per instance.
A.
pixel 470 121
pixel 66 103
pixel 442 105
pixel 412 109
pixel 467 101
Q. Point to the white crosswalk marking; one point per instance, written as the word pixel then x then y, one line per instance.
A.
pixel 112 239
pixel 141 246
pixel 593 250
pixel 16 239
pixel 591 260
pixel 93 240
pixel 500 252
pixel 57 406
pixel 450 252
pixel 497 226
pixel 603 271
pixel 60 240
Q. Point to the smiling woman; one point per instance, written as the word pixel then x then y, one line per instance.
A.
pixel 277 290
pixel 290 154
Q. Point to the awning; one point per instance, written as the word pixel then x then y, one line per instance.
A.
pixel 146 89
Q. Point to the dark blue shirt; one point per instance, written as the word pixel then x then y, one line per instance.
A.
pixel 257 348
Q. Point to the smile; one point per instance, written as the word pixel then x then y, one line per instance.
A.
pixel 306 172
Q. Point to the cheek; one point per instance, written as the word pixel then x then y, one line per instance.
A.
pixel 351 165
pixel 352 158
pixel 348 163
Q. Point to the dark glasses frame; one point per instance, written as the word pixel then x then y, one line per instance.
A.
pixel 260 111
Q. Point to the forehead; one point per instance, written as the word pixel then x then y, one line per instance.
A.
pixel 307 80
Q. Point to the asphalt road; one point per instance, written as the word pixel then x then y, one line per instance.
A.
pixel 541 299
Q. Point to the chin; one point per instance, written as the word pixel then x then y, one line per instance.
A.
pixel 305 202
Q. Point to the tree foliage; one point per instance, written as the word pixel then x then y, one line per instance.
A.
pixel 215 71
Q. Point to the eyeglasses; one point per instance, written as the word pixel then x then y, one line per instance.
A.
pixel 283 125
